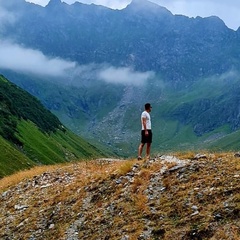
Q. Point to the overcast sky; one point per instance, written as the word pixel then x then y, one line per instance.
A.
pixel 227 10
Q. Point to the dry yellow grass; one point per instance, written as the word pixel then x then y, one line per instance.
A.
pixel 125 168
pixel 11 180
pixel 202 199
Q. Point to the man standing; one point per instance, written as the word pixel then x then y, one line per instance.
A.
pixel 146 134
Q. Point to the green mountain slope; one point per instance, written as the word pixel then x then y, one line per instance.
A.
pixel 11 159
pixel 202 116
pixel 31 135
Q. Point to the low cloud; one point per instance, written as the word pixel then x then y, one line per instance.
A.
pixel 124 75
pixel 29 61
pixel 25 60
pixel 227 79
pixel 6 18
pixel 110 74
pixel 20 59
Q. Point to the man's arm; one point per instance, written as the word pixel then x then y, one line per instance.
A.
pixel 144 122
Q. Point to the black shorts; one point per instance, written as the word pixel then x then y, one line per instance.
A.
pixel 148 138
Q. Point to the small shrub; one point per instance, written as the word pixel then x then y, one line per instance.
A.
pixel 125 168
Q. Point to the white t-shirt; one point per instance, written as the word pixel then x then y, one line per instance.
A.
pixel 146 115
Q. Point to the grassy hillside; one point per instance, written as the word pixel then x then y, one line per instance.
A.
pixel 60 146
pixel 180 196
pixel 31 135
pixel 39 148
pixel 203 115
pixel 11 159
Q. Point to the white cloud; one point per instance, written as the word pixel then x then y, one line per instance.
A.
pixel 29 61
pixel 20 59
pixel 111 74
pixel 6 17
pixel 124 75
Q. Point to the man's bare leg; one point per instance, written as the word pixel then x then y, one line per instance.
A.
pixel 140 149
pixel 148 150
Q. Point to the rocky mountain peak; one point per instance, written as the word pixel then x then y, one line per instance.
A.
pixel 54 3
pixel 147 6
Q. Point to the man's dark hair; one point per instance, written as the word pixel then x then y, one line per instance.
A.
pixel 147 106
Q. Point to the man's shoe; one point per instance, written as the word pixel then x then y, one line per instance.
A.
pixel 139 158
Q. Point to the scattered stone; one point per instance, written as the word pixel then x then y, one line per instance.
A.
pixel 51 226
pixel 5 194
pixel 162 189
pixel 46 186
pixel 218 216
pixel 200 156
pixel 175 168
pixel 20 207
pixel 105 198
pixel 118 181
pixel 194 208
pixel 135 167
pixel 226 204
pixel 237 154
pixel 195 213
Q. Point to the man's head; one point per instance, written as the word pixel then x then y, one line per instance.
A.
pixel 148 107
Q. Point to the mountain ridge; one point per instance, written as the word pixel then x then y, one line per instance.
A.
pixel 141 6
